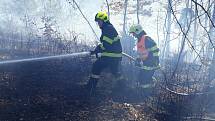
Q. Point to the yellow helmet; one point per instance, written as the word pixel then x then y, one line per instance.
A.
pixel 135 29
pixel 102 16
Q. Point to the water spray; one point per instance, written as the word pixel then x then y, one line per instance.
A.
pixel 79 54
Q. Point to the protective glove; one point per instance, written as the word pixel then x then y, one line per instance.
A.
pixel 96 51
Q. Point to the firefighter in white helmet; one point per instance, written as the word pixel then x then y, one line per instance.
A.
pixel 148 58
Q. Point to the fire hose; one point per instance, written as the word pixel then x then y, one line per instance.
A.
pixel 79 54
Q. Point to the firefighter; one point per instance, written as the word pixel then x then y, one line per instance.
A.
pixel 109 49
pixel 148 58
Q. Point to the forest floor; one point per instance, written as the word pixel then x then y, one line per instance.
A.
pixel 53 91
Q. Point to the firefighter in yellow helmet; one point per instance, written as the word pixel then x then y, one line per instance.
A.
pixel 148 58
pixel 110 50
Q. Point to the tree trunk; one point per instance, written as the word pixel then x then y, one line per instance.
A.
pixel 138 19
pixel 211 75
pixel 195 27
pixel 208 51
pixel 108 9
pixel 125 12
pixel 168 26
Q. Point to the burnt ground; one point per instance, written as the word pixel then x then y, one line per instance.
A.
pixel 53 91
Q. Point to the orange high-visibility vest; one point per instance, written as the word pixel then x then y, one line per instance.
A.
pixel 141 48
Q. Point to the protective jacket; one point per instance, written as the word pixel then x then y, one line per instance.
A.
pixel 148 53
pixel 110 42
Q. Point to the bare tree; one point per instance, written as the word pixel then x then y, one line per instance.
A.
pixel 138 19
pixel 125 12
pixel 108 8
pixel 76 4
pixel 211 75
pixel 166 49
pixel 195 26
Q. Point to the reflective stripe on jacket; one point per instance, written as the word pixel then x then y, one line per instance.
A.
pixel 110 42
pixel 146 46
pixel 141 49
pixel 148 52
pixel 150 68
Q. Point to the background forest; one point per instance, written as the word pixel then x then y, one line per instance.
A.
pixel 50 90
